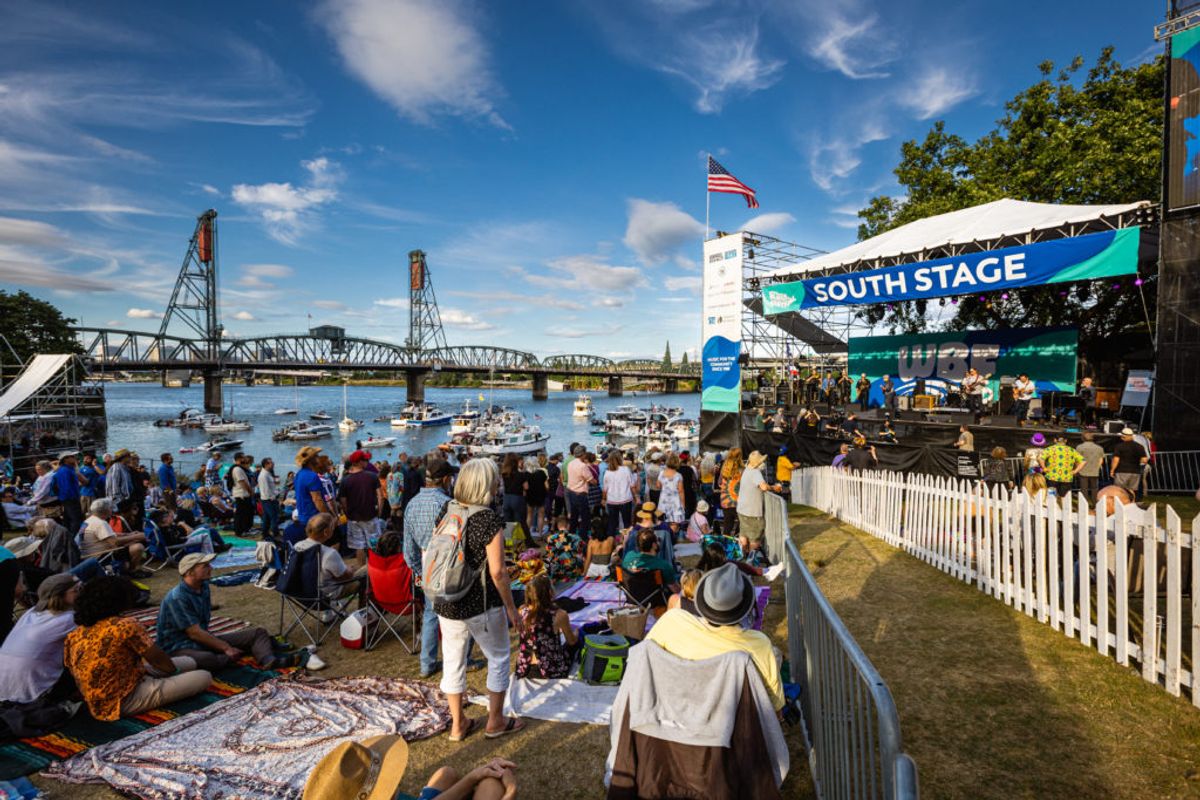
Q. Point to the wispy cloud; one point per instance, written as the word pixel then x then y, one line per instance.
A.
pixel 425 58
pixel 769 222
pixel 844 36
pixel 656 230
pixel 457 318
pixel 688 283
pixel 142 313
pixel 285 209
pixel 936 90
pixel 832 159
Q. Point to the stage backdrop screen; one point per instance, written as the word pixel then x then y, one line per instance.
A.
pixel 1183 156
pixel 721 328
pixel 942 359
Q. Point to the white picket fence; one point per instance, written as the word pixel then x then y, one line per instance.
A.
pixel 1132 592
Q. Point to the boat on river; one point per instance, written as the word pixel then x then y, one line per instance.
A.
pixel 583 406
pixel 520 441
pixel 320 416
pixel 377 442
pixel 421 415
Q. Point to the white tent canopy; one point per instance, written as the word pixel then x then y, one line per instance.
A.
pixel 979 223
pixel 32 378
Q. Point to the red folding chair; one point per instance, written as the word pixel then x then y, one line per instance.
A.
pixel 391 594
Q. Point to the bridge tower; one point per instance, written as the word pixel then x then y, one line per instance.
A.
pixel 194 306
pixel 424 324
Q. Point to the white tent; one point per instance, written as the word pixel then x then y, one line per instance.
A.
pixel 978 223
pixel 32 378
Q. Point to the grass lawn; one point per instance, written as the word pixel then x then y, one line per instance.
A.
pixel 555 760
pixel 993 704
pixel 1186 506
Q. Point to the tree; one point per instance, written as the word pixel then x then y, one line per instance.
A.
pixel 34 326
pixel 666 362
pixel 683 362
pixel 1061 140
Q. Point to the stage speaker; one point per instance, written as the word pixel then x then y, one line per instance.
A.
pixel 903 402
pixel 938 418
pixel 1006 393
pixel 849 408
pixel 1001 421
pixel 911 416
pixel 1115 426
pixel 923 401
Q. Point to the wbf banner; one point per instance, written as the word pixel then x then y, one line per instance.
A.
pixel 1046 355
pixel 721 329
pixel 1077 258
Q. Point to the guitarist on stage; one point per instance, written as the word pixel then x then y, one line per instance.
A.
pixel 1023 391
pixel 864 392
pixel 972 387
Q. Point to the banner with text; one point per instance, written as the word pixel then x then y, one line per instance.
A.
pixel 941 360
pixel 721 328
pixel 1077 258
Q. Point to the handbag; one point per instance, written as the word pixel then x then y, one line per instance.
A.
pixel 628 621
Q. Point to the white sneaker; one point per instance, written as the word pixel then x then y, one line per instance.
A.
pixel 771 573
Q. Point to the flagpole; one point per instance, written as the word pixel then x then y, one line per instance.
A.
pixel 707 194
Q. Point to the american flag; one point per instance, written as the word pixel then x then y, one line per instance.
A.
pixel 719 180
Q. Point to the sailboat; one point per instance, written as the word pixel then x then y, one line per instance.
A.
pixel 227 424
pixel 347 425
pixel 295 409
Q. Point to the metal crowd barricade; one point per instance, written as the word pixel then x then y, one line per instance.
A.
pixel 1174 471
pixel 851 728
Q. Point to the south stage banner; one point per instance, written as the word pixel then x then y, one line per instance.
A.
pixel 721 328
pixel 1077 258
pixel 941 360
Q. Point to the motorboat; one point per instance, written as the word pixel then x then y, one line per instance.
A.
pixel 684 429
pixel 301 431
pixel 464 421
pixel 281 412
pixel 583 406
pixel 516 440
pixel 378 442
pixel 320 416
pixel 218 443
pixel 423 415
pixel 227 426
pixel 188 418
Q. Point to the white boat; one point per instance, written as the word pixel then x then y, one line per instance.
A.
pixel 684 429
pixel 285 411
pixel 302 431
pixel 517 440
pixel 320 415
pixel 422 415
pixel 227 426
pixel 583 406
pixel 465 420
pixel 378 441
pixel 347 425
pixel 219 443
pixel 305 436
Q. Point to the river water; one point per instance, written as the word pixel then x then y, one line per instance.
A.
pixel 133 407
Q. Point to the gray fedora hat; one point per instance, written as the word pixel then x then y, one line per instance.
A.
pixel 724 596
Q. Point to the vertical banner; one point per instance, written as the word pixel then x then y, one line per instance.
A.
pixel 721 331
pixel 1183 122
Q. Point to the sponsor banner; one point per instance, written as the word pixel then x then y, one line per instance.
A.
pixel 721 328
pixel 941 360
pixel 1077 258
pixel 1183 121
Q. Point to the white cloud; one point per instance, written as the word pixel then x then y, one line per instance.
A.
pixel 767 223
pixel 845 217
pixel 244 316
pixel 423 57
pixel 286 209
pixel 210 189
pixel 142 313
pixel 937 90
pixel 29 232
pixel 547 300
pixel 832 160
pixel 688 282
pixel 589 272
pixel 391 302
pixel 258 276
pixel 655 230
pixel 457 318
pixel 572 332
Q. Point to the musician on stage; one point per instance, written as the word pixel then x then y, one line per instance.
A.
pixel 829 389
pixel 1023 392
pixel 889 394
pixel 812 388
pixel 972 387
pixel 1087 393
pixel 864 392
pixel 844 386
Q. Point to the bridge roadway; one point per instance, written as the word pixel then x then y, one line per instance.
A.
pixel 139 351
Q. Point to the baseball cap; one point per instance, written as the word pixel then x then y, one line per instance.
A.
pixel 194 559
pixel 360 455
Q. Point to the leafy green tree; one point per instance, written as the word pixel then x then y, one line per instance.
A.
pixel 683 362
pixel 666 362
pixel 34 326
pixel 1062 140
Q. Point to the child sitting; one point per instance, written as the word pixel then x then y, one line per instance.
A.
pixel 541 653
pixel 564 559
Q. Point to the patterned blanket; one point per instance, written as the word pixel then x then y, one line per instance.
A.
pixel 261 743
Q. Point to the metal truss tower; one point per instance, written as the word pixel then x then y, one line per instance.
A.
pixel 194 301
pixel 424 321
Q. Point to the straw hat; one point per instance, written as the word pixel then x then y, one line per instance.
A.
pixel 755 460
pixel 647 511
pixel 1127 432
pixel 366 770
pixel 306 452
pixel 21 546
pixel 702 506
pixel 122 453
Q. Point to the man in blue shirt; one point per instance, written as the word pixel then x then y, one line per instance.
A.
pixel 184 618
pixel 310 494
pixel 167 481
pixel 93 482
pixel 420 518
pixel 66 489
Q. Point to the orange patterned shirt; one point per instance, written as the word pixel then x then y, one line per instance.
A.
pixel 106 661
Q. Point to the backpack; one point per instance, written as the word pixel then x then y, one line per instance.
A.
pixel 447 576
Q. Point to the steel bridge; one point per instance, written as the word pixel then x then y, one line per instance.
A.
pixel 205 348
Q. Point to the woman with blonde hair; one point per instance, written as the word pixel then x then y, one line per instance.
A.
pixel 727 486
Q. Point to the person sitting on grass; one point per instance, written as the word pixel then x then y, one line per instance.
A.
pixel 337 580
pixel 119 670
pixel 214 505
pixel 541 653
pixel 372 769
pixel 186 613
pixel 724 596
pixel 99 538
pixel 600 546
pixel 686 599
pixel 647 559
pixel 175 531
pixel 698 526
pixel 563 552
pixel 31 659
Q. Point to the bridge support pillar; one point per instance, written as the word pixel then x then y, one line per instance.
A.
pixel 414 385
pixel 249 378
pixel 616 386
pixel 213 402
pixel 671 386
pixel 541 387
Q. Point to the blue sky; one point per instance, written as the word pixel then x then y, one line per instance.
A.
pixel 549 157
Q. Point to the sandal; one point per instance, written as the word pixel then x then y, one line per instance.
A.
pixel 471 725
pixel 512 726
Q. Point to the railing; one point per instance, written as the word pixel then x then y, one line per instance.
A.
pixel 1113 578
pixel 1169 471
pixel 852 731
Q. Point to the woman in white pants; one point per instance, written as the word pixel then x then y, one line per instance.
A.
pixel 484 613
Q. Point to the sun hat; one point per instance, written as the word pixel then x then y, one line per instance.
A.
pixel 702 506
pixel 359 455
pixel 122 453
pixel 1127 431
pixel 657 456
pixel 647 510
pixel 194 560
pixel 306 452
pixel 1038 440
pixel 724 596
pixel 21 546
pixel 52 587
pixel 755 460
pixel 366 770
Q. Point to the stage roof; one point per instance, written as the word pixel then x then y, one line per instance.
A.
pixel 995 220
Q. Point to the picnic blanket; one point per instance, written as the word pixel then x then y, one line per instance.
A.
pixel 261 744
pixel 557 699
pixel 239 556
pixel 148 617
pixel 604 595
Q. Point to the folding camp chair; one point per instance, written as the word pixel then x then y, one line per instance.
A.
pixel 645 589
pixel 160 550
pixel 299 588
pixel 391 594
